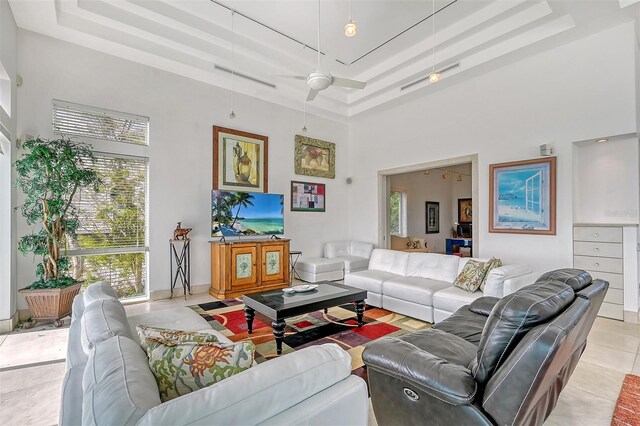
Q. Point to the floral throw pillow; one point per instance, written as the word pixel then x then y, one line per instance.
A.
pixel 491 264
pixel 471 276
pixel 145 331
pixel 184 367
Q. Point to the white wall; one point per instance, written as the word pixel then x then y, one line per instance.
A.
pixel 9 59
pixel 181 113
pixel 555 97
pixel 606 181
pixel 421 188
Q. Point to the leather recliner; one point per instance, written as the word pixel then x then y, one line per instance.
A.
pixel 495 361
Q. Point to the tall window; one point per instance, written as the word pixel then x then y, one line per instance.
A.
pixel 111 243
pixel 398 213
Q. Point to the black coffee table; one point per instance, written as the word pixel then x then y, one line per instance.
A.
pixel 279 305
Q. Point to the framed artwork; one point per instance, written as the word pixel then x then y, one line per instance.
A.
pixel 314 157
pixel 522 197
pixel 464 210
pixel 432 209
pixel 240 160
pixel 307 197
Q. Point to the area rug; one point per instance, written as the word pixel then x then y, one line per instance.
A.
pixel 627 412
pixel 339 326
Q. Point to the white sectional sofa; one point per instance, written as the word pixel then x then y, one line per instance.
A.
pixel 108 380
pixel 420 285
pixel 340 257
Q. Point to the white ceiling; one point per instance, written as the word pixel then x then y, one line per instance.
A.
pixel 393 47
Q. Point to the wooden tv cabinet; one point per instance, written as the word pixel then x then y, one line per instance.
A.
pixel 248 266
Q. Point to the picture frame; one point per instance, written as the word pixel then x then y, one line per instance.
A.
pixel 240 160
pixel 314 157
pixel 308 196
pixel 522 197
pixel 432 217
pixel 465 210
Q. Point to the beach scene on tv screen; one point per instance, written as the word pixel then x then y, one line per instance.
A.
pixel 246 213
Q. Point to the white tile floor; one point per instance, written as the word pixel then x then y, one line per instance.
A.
pixel 32 368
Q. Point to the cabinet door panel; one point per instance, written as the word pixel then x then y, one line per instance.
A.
pixel 272 263
pixel 243 266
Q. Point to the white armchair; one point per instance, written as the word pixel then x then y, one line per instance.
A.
pixel 354 254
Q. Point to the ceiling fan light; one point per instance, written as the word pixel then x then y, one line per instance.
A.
pixel 350 29
pixel 434 77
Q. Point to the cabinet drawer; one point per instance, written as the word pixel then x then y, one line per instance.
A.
pixel 615 280
pixel 614 295
pixel 586 248
pixel 602 264
pixel 607 234
pixel 611 310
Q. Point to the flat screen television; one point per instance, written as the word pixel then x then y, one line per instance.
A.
pixel 235 214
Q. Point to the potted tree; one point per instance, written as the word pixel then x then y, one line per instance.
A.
pixel 50 174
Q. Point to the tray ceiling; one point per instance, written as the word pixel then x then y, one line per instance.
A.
pixel 392 50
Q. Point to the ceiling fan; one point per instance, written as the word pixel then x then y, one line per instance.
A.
pixel 321 78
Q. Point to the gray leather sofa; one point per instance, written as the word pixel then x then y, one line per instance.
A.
pixel 495 361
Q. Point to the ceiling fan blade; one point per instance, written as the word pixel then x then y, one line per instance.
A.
pixel 345 82
pixel 312 94
pixel 295 77
pixel 327 62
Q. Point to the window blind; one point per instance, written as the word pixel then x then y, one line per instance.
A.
pixel 71 119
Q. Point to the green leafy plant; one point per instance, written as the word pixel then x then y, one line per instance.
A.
pixel 50 173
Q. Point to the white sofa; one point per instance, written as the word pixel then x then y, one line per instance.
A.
pixel 340 257
pixel 108 380
pixel 420 285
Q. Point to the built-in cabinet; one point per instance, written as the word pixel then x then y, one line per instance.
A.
pixel 609 252
pixel 243 267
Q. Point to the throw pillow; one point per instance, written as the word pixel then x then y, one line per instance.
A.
pixel 471 276
pixel 491 264
pixel 145 331
pixel 184 367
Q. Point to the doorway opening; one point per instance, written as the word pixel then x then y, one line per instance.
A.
pixel 429 207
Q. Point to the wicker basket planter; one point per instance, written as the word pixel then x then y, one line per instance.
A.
pixel 50 304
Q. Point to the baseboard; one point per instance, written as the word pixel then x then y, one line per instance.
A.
pixel 166 294
pixel 7 325
pixel 632 317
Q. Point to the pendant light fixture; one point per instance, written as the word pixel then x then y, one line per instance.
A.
pixel 350 29
pixel 434 77
pixel 232 115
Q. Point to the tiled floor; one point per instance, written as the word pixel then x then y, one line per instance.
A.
pixel 32 368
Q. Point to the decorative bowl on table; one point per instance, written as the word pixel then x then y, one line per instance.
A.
pixel 300 288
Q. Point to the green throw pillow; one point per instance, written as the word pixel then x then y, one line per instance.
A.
pixel 145 331
pixel 491 264
pixel 181 368
pixel 471 276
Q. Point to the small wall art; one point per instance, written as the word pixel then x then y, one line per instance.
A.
pixel 465 210
pixel 314 157
pixel 307 197
pixel 523 197
pixel 240 160
pixel 432 209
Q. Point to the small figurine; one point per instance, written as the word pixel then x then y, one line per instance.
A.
pixel 180 232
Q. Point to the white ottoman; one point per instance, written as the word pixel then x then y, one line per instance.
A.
pixel 314 269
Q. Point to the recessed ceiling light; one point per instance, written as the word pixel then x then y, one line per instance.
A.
pixel 603 140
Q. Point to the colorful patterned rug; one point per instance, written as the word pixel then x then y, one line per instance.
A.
pixel 339 326
pixel 627 412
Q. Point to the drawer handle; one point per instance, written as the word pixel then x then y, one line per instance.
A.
pixel 596 249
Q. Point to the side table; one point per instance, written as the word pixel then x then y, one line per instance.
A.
pixel 293 259
pixel 180 256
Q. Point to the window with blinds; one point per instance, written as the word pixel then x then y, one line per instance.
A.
pixel 71 119
pixel 111 241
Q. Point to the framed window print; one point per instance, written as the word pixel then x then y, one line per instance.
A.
pixel 432 209
pixel 307 197
pixel 240 160
pixel 522 197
